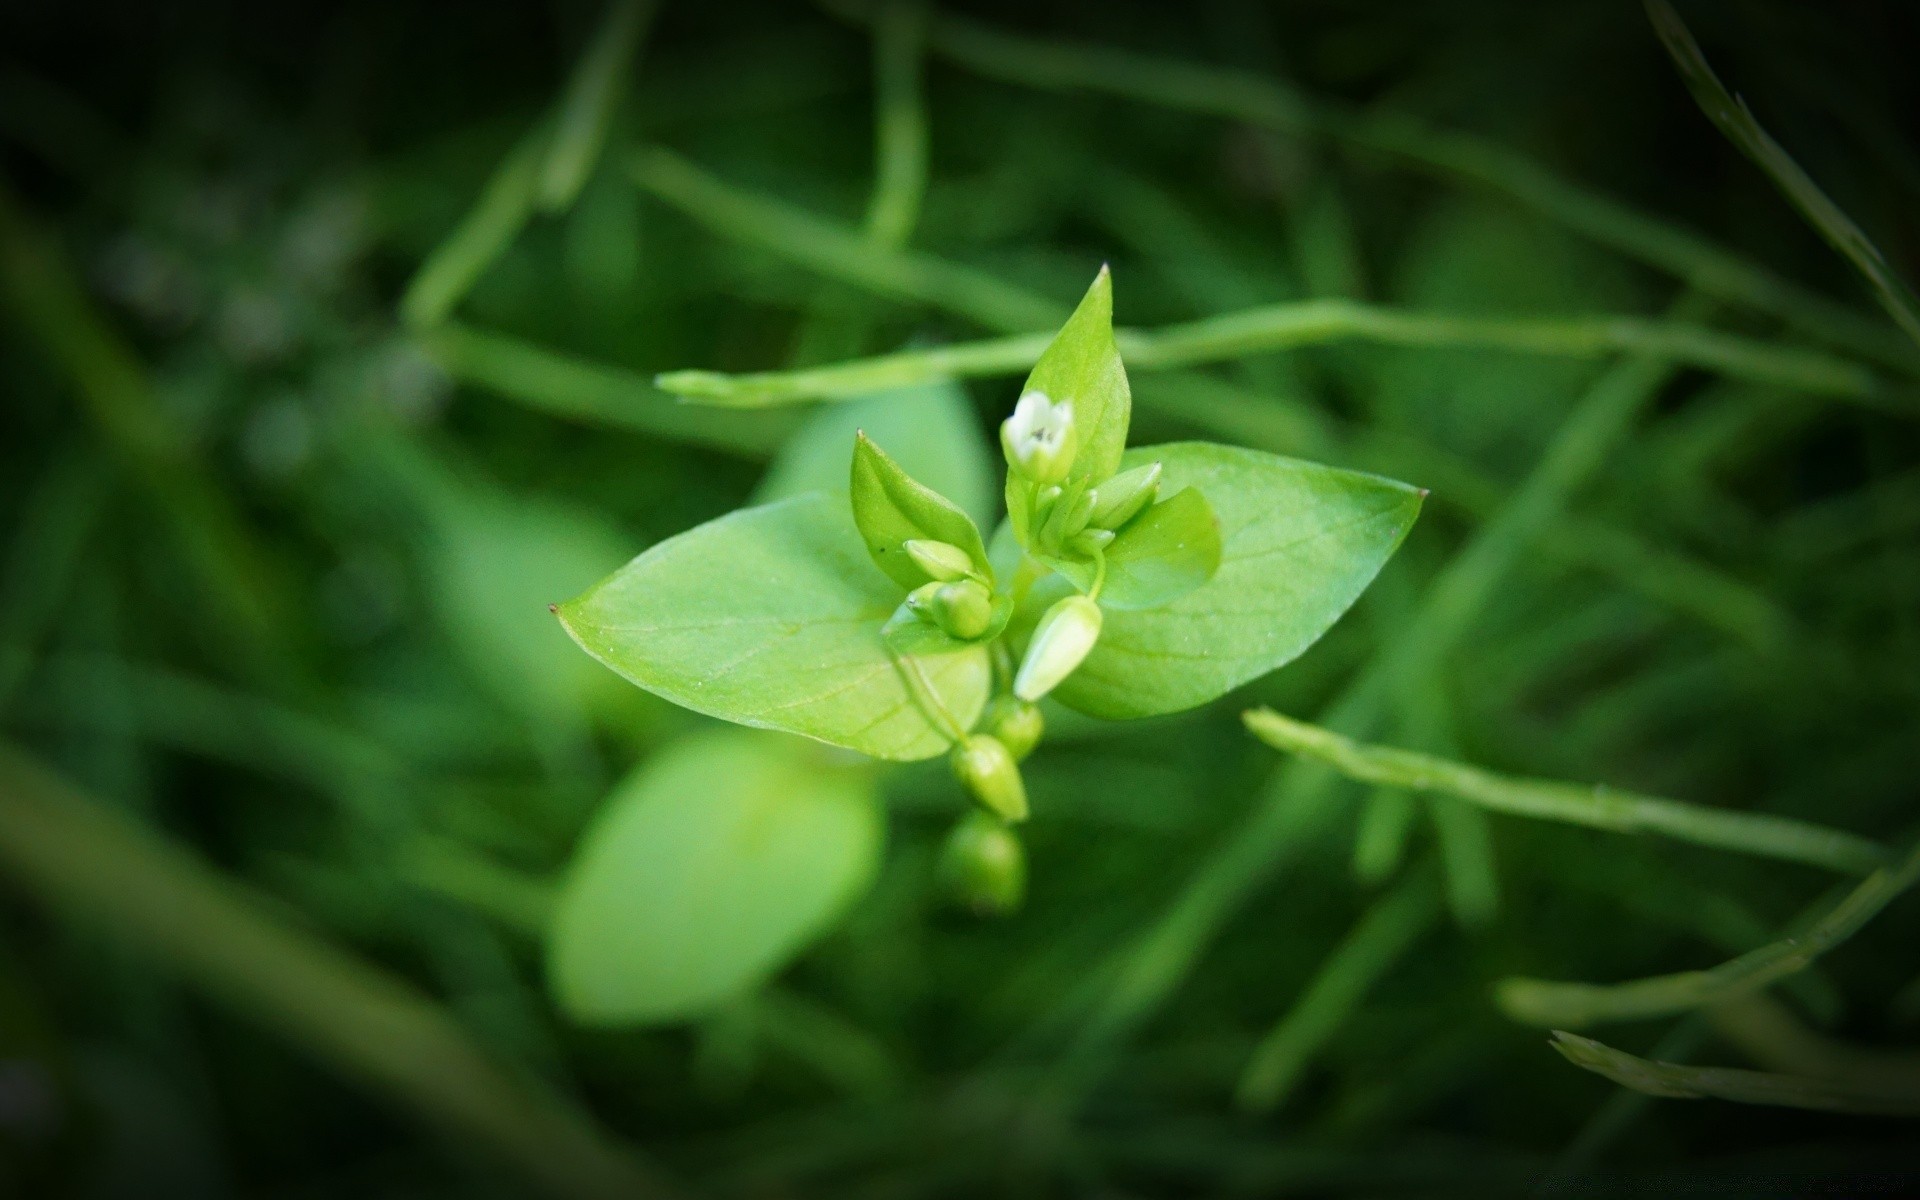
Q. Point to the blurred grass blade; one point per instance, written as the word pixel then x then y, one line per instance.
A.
pixel 80 861
pixel 1452 155
pixel 900 122
pixel 1576 1005
pixel 55 522
pixel 1596 807
pixel 1378 941
pixel 564 386
pixel 497 217
pixel 114 391
pixel 1386 826
pixel 1732 117
pixel 839 252
pixel 1267 330
pixel 1725 1083
pixel 591 99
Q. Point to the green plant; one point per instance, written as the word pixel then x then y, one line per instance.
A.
pixel 1123 583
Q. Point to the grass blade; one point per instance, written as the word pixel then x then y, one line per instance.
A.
pixel 1734 119
pixel 1576 1005
pixel 1595 807
pixel 900 123
pixel 497 217
pixel 1726 1083
pixel 588 106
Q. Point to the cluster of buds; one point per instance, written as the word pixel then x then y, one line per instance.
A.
pixel 955 598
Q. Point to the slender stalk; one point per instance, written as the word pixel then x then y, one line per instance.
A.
pixel 564 386
pixel 496 219
pixel 1290 326
pixel 1451 155
pixel 1732 117
pixel 1377 942
pixel 1725 1083
pixel 83 862
pixel 1576 1005
pixel 587 107
pixel 1596 807
pixel 900 125
pixel 839 252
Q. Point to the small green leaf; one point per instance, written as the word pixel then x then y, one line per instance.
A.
pixel 709 869
pixel 931 430
pixel 892 509
pixel 1082 367
pixel 1299 543
pixel 771 617
pixel 1161 555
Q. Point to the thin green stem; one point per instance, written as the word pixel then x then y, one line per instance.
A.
pixel 496 219
pixel 576 389
pixel 1595 807
pixel 83 862
pixel 900 122
pixel 1724 1083
pixel 588 105
pixel 1310 323
pixel 1737 122
pixel 1374 945
pixel 1576 1005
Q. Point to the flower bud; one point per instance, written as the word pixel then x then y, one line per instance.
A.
pixel 1068 517
pixel 1121 498
pixel 940 560
pixel 1091 541
pixel 986 766
pixel 963 609
pixel 1016 724
pixel 1060 643
pixel 1039 438
pixel 984 865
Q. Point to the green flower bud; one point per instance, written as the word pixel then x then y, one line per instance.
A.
pixel 1121 498
pixel 1061 641
pixel 1039 438
pixel 941 561
pixel 1068 517
pixel 1016 724
pixel 985 765
pixel 984 865
pixel 1091 541
pixel 963 609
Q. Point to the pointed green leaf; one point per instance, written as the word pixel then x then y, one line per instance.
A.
pixel 1299 543
pixel 708 870
pixel 771 617
pixel 1082 367
pixel 891 509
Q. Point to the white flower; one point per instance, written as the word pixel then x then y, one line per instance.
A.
pixel 1038 438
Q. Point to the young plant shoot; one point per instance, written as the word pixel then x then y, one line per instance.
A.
pixel 1122 584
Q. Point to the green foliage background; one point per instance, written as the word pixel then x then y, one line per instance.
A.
pixel 294 753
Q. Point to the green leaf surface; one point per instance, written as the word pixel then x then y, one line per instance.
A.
pixel 706 872
pixel 1161 555
pixel 1082 366
pixel 892 508
pixel 931 430
pixel 1299 543
pixel 771 617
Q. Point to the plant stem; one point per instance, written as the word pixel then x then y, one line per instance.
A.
pixel 900 123
pixel 1304 323
pixel 1724 1083
pixel 1575 1005
pixel 1596 807
pixel 81 861
pixel 496 219
pixel 589 103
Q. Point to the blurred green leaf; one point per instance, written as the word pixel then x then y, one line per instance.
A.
pixel 771 617
pixel 1300 542
pixel 707 871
